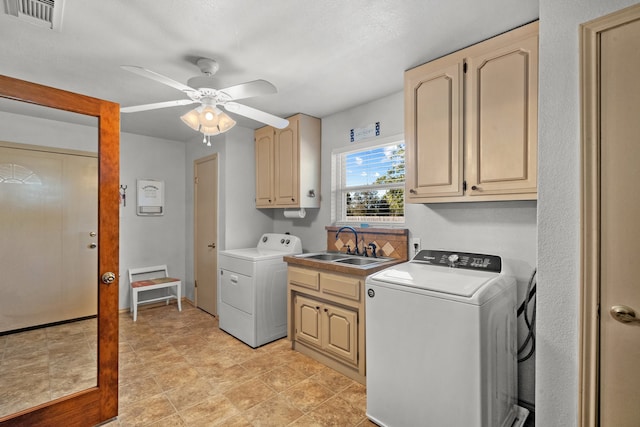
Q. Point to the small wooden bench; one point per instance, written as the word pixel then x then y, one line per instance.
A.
pixel 155 277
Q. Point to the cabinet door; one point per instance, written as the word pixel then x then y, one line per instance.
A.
pixel 264 167
pixel 286 165
pixel 340 332
pixel 502 115
pixel 433 129
pixel 307 321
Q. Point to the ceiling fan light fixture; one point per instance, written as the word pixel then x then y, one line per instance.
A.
pixel 202 90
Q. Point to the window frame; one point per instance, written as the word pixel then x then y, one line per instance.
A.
pixel 338 207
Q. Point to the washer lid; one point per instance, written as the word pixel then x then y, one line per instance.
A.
pixel 254 254
pixel 453 281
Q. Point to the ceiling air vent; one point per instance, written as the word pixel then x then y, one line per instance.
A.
pixel 45 13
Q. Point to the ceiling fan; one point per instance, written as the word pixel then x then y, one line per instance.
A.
pixel 207 118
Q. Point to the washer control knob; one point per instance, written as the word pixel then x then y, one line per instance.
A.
pixel 264 239
pixel 288 241
pixel 282 241
pixel 453 260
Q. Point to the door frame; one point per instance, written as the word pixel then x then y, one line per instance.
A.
pixel 97 404
pixel 589 371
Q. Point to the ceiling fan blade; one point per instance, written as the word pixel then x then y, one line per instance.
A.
pixel 157 77
pixel 156 105
pixel 250 89
pixel 258 115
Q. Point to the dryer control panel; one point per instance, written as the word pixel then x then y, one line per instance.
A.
pixel 465 260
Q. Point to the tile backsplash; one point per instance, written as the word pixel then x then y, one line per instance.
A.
pixel 390 242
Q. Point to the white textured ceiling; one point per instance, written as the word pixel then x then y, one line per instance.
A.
pixel 324 56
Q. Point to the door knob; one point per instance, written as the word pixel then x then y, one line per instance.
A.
pixel 212 246
pixel 108 277
pixel 624 314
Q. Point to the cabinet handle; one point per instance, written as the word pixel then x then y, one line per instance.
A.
pixel 412 191
pixel 317 307
pixel 326 309
pixel 293 200
pixel 474 187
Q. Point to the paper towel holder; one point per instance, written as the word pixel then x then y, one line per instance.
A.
pixel 295 213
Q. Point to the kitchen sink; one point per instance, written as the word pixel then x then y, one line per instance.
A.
pixel 342 258
pixel 325 256
pixel 360 261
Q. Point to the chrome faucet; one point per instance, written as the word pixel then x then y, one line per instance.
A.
pixel 355 233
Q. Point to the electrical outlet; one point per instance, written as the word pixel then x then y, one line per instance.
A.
pixel 415 246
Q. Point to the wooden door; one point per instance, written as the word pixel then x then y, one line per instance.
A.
pixel 49 198
pixel 340 332
pixel 611 208
pixel 100 403
pixel 206 233
pixel 501 108
pixel 265 196
pixel 308 324
pixel 286 164
pixel 433 129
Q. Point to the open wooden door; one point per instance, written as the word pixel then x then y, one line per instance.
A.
pixel 100 403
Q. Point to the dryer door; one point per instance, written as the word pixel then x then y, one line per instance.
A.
pixel 237 290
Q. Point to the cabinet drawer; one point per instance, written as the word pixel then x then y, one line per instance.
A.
pixel 346 287
pixel 306 278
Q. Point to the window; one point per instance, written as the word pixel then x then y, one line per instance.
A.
pixel 368 183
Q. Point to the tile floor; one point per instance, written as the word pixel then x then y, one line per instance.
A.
pixel 179 369
pixel 44 364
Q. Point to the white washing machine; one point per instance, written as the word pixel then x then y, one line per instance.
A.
pixel 252 289
pixel 441 343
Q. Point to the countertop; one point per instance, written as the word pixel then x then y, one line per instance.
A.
pixel 336 267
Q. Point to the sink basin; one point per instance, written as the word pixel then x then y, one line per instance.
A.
pixel 359 261
pixel 326 256
pixel 344 259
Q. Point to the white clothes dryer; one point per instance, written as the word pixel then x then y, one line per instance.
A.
pixel 441 343
pixel 252 289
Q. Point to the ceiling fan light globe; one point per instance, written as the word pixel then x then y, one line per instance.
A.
pixel 192 119
pixel 208 117
pixel 225 122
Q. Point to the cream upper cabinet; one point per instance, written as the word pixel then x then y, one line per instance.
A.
pixel 433 136
pixel 264 167
pixel 288 164
pixel 471 122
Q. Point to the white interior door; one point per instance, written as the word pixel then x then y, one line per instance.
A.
pixel 620 229
pixel 206 233
pixel 49 206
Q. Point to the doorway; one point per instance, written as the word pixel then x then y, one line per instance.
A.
pixel 49 197
pixel 610 326
pixel 206 233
